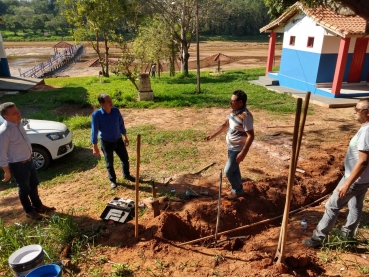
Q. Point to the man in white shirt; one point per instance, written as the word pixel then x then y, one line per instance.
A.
pixel 353 186
pixel 16 161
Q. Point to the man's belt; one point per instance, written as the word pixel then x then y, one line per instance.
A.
pixel 23 162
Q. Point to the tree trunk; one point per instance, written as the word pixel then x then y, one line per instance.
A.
pixel 147 68
pixel 130 77
pixel 172 70
pixel 106 56
pixel 97 49
pixel 184 45
pixel 359 7
pixel 184 58
pixel 159 67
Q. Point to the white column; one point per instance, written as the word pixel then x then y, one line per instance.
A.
pixel 4 66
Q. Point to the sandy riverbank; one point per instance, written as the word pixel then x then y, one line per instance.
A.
pixel 22 56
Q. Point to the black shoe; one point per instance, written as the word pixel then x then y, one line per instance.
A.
pixel 44 209
pixel 312 243
pixel 130 178
pixel 34 215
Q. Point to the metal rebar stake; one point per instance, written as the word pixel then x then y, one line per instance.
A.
pixel 219 203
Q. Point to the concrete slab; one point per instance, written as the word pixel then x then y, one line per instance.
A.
pixel 18 83
pixel 314 98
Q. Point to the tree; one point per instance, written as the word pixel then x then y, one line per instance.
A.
pixel 180 16
pixel 25 11
pixel 235 18
pixel 154 42
pixel 125 65
pixel 42 6
pixel 9 6
pixel 38 23
pixel 61 23
pixel 3 8
pixel 361 8
pixel 99 18
pixel 12 23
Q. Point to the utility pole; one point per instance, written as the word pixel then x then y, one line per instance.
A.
pixel 197 47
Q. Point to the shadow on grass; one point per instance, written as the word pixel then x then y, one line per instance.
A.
pixel 80 159
pixel 222 78
pixel 189 100
pixel 43 104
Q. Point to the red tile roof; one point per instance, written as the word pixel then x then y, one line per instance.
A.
pixel 341 25
pixel 63 44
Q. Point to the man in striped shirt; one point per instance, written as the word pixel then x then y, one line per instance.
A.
pixel 240 135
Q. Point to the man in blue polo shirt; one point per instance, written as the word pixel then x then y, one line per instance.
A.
pixel 109 122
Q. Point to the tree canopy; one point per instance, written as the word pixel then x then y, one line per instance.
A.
pixel 361 8
pixel 220 17
pixel 98 18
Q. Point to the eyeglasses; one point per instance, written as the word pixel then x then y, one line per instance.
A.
pixel 357 110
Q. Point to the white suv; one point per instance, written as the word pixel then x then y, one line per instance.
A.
pixel 50 140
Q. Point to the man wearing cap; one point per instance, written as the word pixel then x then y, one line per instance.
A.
pixel 16 161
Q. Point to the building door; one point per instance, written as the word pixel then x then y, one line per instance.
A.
pixel 358 58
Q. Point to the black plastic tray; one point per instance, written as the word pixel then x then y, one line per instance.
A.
pixel 118 213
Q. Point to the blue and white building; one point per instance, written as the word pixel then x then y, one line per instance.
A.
pixel 323 52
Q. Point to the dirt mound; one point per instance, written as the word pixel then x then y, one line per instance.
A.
pixel 263 199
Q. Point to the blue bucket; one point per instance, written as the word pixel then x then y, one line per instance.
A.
pixel 49 270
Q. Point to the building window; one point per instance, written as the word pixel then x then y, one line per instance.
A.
pixel 310 43
pixel 292 40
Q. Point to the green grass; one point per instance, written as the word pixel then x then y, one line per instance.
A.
pixel 335 245
pixel 81 92
pixel 52 234
pixel 30 36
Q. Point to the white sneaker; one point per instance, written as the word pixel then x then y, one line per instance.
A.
pixel 113 185
pixel 233 195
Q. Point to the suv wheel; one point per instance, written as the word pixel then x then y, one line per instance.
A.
pixel 41 158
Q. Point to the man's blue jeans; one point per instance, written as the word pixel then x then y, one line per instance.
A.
pixel 354 199
pixel 119 148
pixel 27 181
pixel 233 173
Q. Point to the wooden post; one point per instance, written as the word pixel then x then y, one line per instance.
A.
pixel 137 183
pixel 279 257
